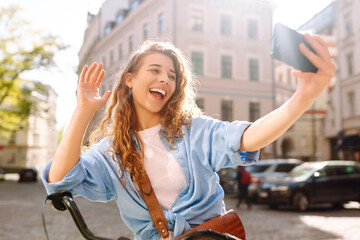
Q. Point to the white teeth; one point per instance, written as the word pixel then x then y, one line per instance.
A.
pixel 162 92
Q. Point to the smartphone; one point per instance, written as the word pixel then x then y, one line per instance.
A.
pixel 285 48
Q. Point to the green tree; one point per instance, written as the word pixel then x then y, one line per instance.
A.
pixel 22 49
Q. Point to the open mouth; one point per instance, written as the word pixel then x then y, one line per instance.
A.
pixel 158 93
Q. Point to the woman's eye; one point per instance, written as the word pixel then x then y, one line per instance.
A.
pixel 172 77
pixel 154 70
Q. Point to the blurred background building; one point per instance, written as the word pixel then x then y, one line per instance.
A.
pixel 307 139
pixel 347 141
pixel 36 142
pixel 228 43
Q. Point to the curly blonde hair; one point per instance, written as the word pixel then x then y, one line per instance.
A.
pixel 119 122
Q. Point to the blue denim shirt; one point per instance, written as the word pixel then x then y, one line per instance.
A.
pixel 207 146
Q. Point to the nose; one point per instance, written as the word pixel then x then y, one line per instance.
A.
pixel 164 78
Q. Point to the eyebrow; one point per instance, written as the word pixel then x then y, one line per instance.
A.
pixel 158 65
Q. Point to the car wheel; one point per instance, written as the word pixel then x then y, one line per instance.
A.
pixel 301 201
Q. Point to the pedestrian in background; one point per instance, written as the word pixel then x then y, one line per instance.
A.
pixel 244 180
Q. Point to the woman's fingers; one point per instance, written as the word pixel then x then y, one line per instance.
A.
pixel 320 47
pixel 89 72
pixel 326 46
pixel 322 58
pixel 99 78
pixel 95 76
pixel 313 58
pixel 83 72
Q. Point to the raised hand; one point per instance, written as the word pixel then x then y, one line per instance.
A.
pixel 88 88
pixel 310 85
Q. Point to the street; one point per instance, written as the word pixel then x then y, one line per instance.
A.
pixel 21 203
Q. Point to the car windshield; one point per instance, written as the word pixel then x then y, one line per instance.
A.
pixel 303 171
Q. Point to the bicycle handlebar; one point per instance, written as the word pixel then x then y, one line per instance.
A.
pixel 64 200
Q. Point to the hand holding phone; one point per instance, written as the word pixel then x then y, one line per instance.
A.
pixel 285 48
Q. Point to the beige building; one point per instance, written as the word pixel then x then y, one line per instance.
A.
pixel 35 144
pixel 228 42
pixel 307 139
pixel 335 117
pixel 348 24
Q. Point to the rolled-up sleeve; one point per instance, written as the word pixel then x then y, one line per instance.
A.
pixel 91 177
pixel 222 140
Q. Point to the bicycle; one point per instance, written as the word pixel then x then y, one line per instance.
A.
pixel 63 200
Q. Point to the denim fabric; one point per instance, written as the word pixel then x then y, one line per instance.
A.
pixel 207 146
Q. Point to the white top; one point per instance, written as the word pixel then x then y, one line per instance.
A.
pixel 165 174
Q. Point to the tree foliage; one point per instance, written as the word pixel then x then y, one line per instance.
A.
pixel 22 49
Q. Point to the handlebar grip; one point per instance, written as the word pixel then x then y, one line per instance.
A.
pixel 64 200
pixel 57 199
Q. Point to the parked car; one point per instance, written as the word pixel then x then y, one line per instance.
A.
pixel 28 175
pixel 333 182
pixel 268 171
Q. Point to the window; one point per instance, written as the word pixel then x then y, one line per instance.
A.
pixel 349 64
pixel 121 16
pixel 351 103
pixel 111 57
pixel 109 26
pixel 197 20
pixel 285 167
pixel 254 113
pixel 253 70
pixel 226 67
pixel 134 4
pixel 121 53
pixel 225 25
pixel 257 168
pixel 197 63
pixel 161 27
pixel 36 139
pixel 200 103
pixel 252 29
pixel 130 44
pixel 328 171
pixel 348 25
pixel 345 170
pixel 226 110
pixel 145 31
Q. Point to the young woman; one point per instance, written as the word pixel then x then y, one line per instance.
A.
pixel 153 126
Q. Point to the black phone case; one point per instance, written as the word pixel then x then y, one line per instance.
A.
pixel 285 48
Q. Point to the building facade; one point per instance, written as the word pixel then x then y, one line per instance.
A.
pixel 347 141
pixel 307 138
pixel 335 117
pixel 36 143
pixel 227 41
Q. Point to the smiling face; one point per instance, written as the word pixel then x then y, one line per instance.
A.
pixel 152 86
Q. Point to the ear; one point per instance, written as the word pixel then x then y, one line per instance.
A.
pixel 128 80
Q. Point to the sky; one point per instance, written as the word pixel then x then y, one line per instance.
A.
pixel 67 19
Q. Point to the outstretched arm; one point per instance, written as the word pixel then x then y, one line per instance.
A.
pixel 268 128
pixel 88 102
